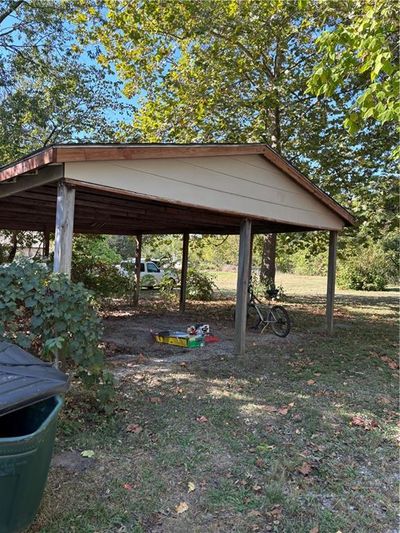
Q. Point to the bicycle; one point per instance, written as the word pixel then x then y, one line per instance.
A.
pixel 260 316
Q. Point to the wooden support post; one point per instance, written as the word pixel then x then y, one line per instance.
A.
pixel 330 296
pixel 251 255
pixel 138 258
pixel 64 228
pixel 242 287
pixel 184 269
pixel 46 243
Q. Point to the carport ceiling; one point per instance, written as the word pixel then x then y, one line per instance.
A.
pixel 119 214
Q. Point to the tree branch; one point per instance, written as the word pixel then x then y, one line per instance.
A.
pixel 13 7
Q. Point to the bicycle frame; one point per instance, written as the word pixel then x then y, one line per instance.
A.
pixel 255 302
pixel 268 314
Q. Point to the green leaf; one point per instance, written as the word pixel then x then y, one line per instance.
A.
pixel 87 453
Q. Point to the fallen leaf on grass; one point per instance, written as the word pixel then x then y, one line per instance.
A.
pixel 283 410
pixel 127 486
pixel 191 486
pixel 181 508
pixel 311 382
pixel 276 512
pixel 391 363
pixel 384 400
pixel 155 399
pixel 134 428
pixel 87 453
pixel 254 514
pixel 305 469
pixel 270 408
pixel 314 529
pixel 363 422
pixel 257 488
pixel 260 463
pixel 202 419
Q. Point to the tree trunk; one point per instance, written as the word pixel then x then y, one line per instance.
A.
pixel 14 246
pixel 268 268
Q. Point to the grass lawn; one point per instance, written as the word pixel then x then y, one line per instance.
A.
pixel 298 437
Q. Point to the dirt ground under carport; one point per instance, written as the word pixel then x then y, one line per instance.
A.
pixel 128 332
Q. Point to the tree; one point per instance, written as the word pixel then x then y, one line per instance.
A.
pixel 362 50
pixel 210 71
pixel 50 91
pixel 238 72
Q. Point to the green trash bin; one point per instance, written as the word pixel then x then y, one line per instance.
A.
pixel 26 444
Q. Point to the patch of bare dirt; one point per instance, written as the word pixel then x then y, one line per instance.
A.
pixel 129 341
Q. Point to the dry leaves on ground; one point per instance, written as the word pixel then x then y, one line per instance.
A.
pixel 134 428
pixel 305 469
pixel 311 382
pixel 276 512
pixel 391 363
pixel 191 486
pixel 202 419
pixel 181 508
pixel 283 410
pixel 360 421
pixel 260 463
pixel 155 399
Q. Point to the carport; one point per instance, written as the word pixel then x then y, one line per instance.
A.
pixel 136 189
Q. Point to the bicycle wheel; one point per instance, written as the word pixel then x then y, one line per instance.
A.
pixel 253 320
pixel 279 320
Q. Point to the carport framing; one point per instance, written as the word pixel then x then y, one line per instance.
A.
pixel 76 205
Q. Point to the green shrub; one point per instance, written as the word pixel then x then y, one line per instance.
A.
pixel 94 264
pixel 167 287
pixel 51 316
pixel 366 272
pixel 306 264
pixel 268 289
pixel 199 286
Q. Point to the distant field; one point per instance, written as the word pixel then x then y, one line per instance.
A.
pixel 294 284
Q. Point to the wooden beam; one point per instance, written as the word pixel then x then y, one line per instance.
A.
pixel 64 228
pixel 242 287
pixel 138 258
pixel 251 252
pixel 27 164
pixel 330 297
pixel 26 182
pixel 185 257
pixel 149 151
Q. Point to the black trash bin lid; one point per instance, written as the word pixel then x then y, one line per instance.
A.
pixel 25 379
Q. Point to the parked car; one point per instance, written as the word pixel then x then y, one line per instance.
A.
pixel 150 273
